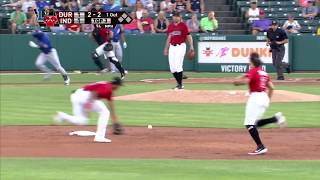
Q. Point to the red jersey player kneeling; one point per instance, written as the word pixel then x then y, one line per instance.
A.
pixel 261 90
pixel 88 99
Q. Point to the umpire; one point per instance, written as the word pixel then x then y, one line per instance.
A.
pixel 276 38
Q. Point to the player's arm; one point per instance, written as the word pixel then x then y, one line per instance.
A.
pixel 113 115
pixel 166 47
pixel 270 89
pixel 190 41
pixel 241 80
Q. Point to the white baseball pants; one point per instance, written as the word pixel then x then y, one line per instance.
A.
pixel 176 56
pixel 80 114
pixel 257 104
pixel 53 59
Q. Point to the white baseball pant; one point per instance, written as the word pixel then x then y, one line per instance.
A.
pixel 257 104
pixel 176 56
pixel 118 53
pixel 53 59
pixel 80 114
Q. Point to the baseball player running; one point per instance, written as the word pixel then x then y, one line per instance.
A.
pixel 261 90
pixel 118 36
pixel 88 99
pixel 176 47
pixel 103 36
pixel 48 54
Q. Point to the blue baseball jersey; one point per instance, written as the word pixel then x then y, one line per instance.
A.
pixel 111 7
pixel 43 41
pixel 116 33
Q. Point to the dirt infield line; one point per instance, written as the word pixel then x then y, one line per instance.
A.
pixel 159 143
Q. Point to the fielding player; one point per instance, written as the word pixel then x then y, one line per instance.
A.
pixel 48 54
pixel 103 37
pixel 176 47
pixel 88 99
pixel 261 89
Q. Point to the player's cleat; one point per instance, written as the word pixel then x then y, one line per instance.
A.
pixel 288 69
pixel 123 75
pixel 105 70
pixel 47 76
pixel 280 78
pixel 185 77
pixel 102 140
pixel 282 122
pixel 259 151
pixel 67 82
pixel 179 87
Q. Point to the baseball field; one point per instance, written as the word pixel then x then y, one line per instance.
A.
pixel 197 133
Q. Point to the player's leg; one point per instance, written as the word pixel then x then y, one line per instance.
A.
pixel 96 54
pixel 181 53
pixel 112 58
pixel 54 60
pixel 118 53
pixel 80 113
pixel 40 63
pixel 172 56
pixel 104 114
pixel 278 118
pixel 255 108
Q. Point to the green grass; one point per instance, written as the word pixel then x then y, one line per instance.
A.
pixel 92 169
pixel 132 76
pixel 36 104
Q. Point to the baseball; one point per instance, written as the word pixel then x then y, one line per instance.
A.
pixel 149 126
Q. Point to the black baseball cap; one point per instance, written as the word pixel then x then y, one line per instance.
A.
pixel 176 13
pixel 274 22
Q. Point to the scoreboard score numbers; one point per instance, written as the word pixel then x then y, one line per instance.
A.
pixel 99 18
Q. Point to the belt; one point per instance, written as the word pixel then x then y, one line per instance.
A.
pixel 176 44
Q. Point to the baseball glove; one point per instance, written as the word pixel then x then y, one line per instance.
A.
pixel 108 47
pixel 117 128
pixel 190 54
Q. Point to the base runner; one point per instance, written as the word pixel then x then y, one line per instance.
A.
pixel 175 47
pixel 261 90
pixel 88 99
pixel 48 53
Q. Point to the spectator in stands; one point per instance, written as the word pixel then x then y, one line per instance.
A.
pixel 166 6
pixel 110 5
pixel 261 25
pixel 150 5
pixel 310 11
pixel 32 19
pixel 253 12
pixel 24 4
pixel 139 9
pixel 193 23
pixel 96 7
pixel 17 18
pixel 132 28
pixel 180 6
pixel 291 25
pixel 145 24
pixel 41 4
pixel 129 3
pixel 73 5
pixel 88 28
pixel 73 28
pixel 196 6
pixel 161 23
pixel 209 24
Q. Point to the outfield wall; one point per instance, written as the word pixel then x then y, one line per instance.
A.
pixel 145 52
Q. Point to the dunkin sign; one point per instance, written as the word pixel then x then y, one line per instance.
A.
pixel 234 52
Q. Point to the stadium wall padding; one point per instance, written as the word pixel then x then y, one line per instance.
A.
pixel 144 52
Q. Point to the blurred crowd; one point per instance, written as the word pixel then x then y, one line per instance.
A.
pixel 259 23
pixel 149 16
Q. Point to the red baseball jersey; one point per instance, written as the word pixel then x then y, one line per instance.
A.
pixel 178 32
pixel 258 79
pixel 102 89
pixel 105 34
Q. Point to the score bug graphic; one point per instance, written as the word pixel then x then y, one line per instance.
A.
pixel 99 19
